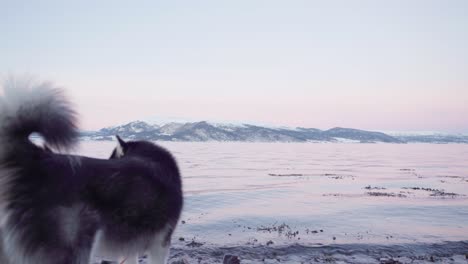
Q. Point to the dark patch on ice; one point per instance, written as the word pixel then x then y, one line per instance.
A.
pixel 329 175
pixel 384 194
pixel 308 231
pixel 411 172
pixel 445 194
pixel 422 189
pixel 286 175
pixel 368 187
pixel 451 176
pixel 338 176
pixel 436 192
pixel 341 177
pixel 332 194
pixel 342 195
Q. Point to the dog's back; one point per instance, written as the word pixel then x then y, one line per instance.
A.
pixel 139 200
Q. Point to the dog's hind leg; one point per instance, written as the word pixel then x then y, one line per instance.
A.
pixel 159 248
pixel 83 249
pixel 79 227
pixel 99 249
pixel 159 253
pixel 3 257
pixel 82 257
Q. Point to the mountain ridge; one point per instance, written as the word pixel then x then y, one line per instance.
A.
pixel 206 131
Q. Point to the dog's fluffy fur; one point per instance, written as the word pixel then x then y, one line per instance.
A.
pixel 54 207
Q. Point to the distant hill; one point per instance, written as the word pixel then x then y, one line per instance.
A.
pixel 206 131
pixel 433 138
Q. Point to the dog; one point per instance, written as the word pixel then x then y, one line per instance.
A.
pixel 57 208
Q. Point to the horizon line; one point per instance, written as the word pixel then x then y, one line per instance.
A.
pixel 269 125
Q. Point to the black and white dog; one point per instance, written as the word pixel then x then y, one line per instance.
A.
pixel 54 207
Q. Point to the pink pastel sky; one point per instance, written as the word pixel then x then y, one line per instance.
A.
pixel 377 65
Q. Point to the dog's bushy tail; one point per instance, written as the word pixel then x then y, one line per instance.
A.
pixel 28 107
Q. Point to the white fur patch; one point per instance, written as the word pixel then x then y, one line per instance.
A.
pixel 158 251
pixel 6 176
pixel 69 222
pixel 155 246
pixel 119 151
pixel 14 251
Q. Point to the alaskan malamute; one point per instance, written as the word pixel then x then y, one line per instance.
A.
pixel 54 207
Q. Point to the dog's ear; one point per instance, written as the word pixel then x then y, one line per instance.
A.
pixel 121 148
pixel 121 142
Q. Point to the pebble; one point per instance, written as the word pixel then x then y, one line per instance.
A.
pixel 109 262
pixel 231 259
pixel 180 261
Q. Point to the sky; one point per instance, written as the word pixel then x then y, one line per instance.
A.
pixel 378 65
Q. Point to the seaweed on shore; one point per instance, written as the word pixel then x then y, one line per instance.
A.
pixel 435 192
pixel 286 175
pixel 368 187
pixel 384 194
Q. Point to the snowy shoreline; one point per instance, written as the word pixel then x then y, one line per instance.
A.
pixel 449 252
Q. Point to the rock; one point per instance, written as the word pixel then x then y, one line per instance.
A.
pixel 389 261
pixel 194 244
pixel 231 259
pixel 180 261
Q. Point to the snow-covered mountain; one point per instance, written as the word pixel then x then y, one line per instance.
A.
pixel 430 137
pixel 206 131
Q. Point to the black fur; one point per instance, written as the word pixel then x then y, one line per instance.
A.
pixel 56 203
